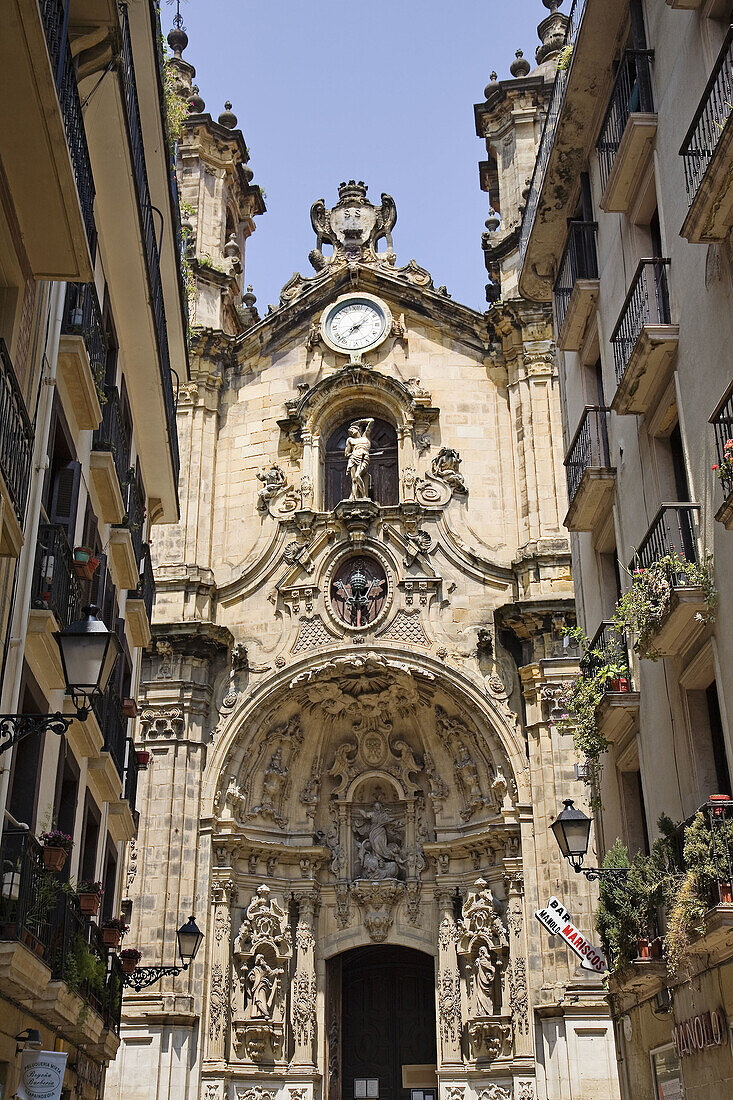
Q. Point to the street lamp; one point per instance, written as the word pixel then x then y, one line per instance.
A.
pixel 88 655
pixel 572 833
pixel 190 937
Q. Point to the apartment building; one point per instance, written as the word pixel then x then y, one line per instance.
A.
pixel 93 321
pixel 627 231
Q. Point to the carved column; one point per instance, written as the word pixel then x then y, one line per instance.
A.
pixel 303 987
pixel 449 983
pixel 516 990
pixel 223 896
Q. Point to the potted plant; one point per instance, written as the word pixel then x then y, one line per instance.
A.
pixel 725 469
pixel 143 758
pixel 56 848
pixel 90 897
pixel 85 564
pixel 129 958
pixel 129 708
pixel 113 930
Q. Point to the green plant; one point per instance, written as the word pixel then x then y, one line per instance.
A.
pixel 90 887
pixel 82 969
pixel 44 895
pixel 643 607
pixel 205 260
pixel 724 469
pixel 578 701
pixel 55 838
pixel 564 57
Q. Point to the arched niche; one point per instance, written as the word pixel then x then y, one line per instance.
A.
pixel 383 463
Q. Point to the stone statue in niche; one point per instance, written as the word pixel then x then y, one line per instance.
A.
pixel 357 453
pixel 379 843
pixel 263 984
pixel 484 972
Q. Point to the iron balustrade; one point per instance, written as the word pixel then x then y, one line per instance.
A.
pixel 589 447
pixel 56 586
pixel 134 519
pixel 722 421
pixel 147 225
pixel 549 129
pixel 672 531
pixel 631 92
pixel 145 590
pixel 113 724
pixel 129 785
pixel 16 436
pixel 706 128
pixel 55 26
pixel 647 303
pixel 26 903
pixel 83 317
pixel 579 261
pixel 111 435
pixel 607 646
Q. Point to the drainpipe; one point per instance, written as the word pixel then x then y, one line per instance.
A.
pixel 10 696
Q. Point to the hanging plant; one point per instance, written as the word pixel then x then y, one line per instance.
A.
pixel 644 606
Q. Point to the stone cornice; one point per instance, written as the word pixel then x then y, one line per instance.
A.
pixel 196 639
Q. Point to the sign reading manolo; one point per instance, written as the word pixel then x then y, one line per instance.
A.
pixel 556 919
pixel 697 1033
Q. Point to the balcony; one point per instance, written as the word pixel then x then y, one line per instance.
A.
pixel 108 767
pixel 717 814
pixel 123 815
pixel 139 604
pixel 644 341
pixel 618 713
pixel 56 600
pixel 577 285
pixel 44 148
pixel 82 355
pixel 125 548
pixel 674 531
pixel 722 421
pixel 109 462
pixel 627 132
pixel 16 449
pixel 707 154
pixel 591 478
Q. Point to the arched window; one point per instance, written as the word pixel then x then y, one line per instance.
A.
pixel 382 465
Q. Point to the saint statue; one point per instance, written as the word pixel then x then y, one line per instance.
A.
pixel 379 842
pixel 356 451
pixel 263 985
pixel 483 982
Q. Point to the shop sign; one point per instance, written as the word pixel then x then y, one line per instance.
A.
pixel 556 919
pixel 41 1075
pixel 700 1032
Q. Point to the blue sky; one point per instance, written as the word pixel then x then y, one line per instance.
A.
pixel 327 90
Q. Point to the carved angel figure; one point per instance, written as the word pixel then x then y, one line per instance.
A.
pixel 263 986
pixel 273 480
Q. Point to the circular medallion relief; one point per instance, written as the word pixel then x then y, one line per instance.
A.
pixel 358 591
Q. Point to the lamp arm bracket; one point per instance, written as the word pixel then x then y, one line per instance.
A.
pixel 14 727
pixel 144 976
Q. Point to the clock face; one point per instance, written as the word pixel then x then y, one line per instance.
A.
pixel 355 324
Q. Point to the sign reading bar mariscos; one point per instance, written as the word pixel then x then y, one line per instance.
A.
pixel 556 919
pixel 42 1075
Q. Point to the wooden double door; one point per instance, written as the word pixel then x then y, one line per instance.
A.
pixel 387 1010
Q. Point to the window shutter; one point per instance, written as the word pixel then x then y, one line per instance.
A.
pixel 65 497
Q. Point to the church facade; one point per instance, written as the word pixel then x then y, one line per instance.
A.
pixel 357 642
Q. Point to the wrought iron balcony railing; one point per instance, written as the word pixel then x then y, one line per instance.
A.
pixel 56 586
pixel 647 303
pixel 722 421
pixel 25 906
pixel 83 317
pixel 146 587
pixel 589 447
pixel 55 20
pixel 134 515
pixel 129 786
pixel 549 129
pixel 147 225
pixel 579 261
pixel 113 724
pixel 673 531
pixel 16 436
pixel 607 646
pixel 707 126
pixel 111 435
pixel 631 92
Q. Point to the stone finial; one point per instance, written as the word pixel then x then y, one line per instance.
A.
pixel 227 118
pixel 197 104
pixel 551 32
pixel 177 40
pixel 247 173
pixel 493 80
pixel 249 298
pixel 520 67
pixel 493 221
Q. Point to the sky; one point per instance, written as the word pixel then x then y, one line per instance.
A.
pixel 331 90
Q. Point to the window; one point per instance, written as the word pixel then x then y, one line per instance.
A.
pixel 383 487
pixel 708 741
pixel 632 797
pixel 61 497
pixel 67 793
pixel 109 881
pixel 27 757
pixel 90 838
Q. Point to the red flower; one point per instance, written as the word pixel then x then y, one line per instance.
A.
pixel 714 467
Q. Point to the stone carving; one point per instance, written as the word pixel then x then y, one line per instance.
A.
pixel 240 660
pixel 525 1090
pixel 412 902
pixel 255 1093
pixel 480 916
pixel 454 735
pixel 311 791
pixel 303 993
pixel 358 591
pixel 306 497
pixel 218 1002
pixel 449 1006
pixel 357 453
pixel 367 689
pixel 445 467
pixel 454 1093
pixel 222 924
pixel 409 480
pixel 495 1092
pixel 162 723
pixel 490 1038
pixel 273 482
pixel 263 984
pixel 379 843
pixel 437 787
pixel 407 627
pixel 131 864
pixel 312 634
pixel 297 1094
pixel 518 997
pixel 262 950
pixel 343 909
pixel 484 972
pixel 265 923
pixel 287 739
pixel 212 1090
pixel 377 900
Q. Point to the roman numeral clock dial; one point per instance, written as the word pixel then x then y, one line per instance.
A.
pixel 355 324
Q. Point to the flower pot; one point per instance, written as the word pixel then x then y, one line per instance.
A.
pixel 85 570
pixel 82 554
pixel 643 949
pixel 655 948
pixel 54 858
pixel 129 708
pixel 129 965
pixel 726 893
pixel 111 937
pixel 89 904
pixel 620 683
pixel 143 758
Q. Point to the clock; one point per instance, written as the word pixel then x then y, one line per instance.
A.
pixel 356 323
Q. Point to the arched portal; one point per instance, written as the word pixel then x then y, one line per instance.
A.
pixel 383 1002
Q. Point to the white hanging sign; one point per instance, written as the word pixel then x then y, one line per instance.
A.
pixel 556 919
pixel 41 1075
